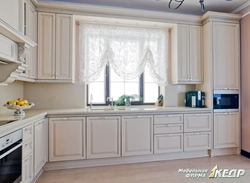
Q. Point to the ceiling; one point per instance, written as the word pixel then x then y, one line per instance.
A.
pixel 188 6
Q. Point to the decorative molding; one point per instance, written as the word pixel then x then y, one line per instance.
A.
pixel 220 17
pixel 10 72
pixel 237 10
pixel 23 51
pixel 15 35
pixel 111 12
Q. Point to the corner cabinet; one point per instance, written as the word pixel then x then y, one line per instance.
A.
pixel 226 55
pixel 55 48
pixel 226 130
pixel 103 137
pixel 137 135
pixel 186 56
pixel 66 139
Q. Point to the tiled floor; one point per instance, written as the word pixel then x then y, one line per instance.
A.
pixel 154 172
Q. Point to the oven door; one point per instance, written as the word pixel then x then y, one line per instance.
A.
pixel 11 163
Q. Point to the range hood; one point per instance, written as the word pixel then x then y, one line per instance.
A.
pixel 14 47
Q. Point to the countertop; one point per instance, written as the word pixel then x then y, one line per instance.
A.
pixel 34 115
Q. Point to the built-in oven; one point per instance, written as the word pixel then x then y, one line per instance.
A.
pixel 11 157
pixel 226 100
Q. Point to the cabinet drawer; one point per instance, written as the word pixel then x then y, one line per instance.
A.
pixel 163 119
pixel 8 51
pixel 27 148
pixel 168 143
pixel 27 132
pixel 168 128
pixel 197 141
pixel 197 122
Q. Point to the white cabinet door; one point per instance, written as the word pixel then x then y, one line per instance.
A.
pixel 66 139
pixel 137 135
pixel 183 53
pixel 46 45
pixel 197 122
pixel 226 130
pixel 226 55
pixel 31 32
pixel 168 143
pixel 186 55
pixel 64 38
pixel 195 54
pixel 27 169
pixel 40 145
pixel 103 137
pixel 197 141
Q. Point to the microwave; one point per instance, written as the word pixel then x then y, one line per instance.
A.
pixel 195 99
pixel 226 101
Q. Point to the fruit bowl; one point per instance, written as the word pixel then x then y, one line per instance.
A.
pixel 18 109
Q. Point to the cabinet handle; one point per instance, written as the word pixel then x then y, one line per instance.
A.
pixel 197 133
pixel 226 88
pixel 173 125
pixel 225 113
pixel 103 118
pixel 197 114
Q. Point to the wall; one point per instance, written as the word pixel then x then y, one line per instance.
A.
pixel 55 96
pixel 10 92
pixel 245 85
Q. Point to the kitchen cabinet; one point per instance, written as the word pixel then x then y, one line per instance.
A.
pixel 27 154
pixel 168 133
pixel 40 144
pixel 226 55
pixel 226 130
pixel 66 139
pixel 103 137
pixel 30 30
pixel 55 47
pixel 137 135
pixel 197 131
pixel 186 62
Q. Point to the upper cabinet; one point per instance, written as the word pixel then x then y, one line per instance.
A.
pixel 226 55
pixel 55 50
pixel 186 55
pixel 30 30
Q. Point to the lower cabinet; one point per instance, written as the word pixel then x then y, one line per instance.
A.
pixel 226 130
pixel 66 139
pixel 137 135
pixel 197 131
pixel 103 137
pixel 40 144
pixel 197 141
pixel 27 169
pixel 27 154
pixel 167 143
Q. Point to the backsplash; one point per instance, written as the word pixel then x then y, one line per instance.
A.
pixel 10 92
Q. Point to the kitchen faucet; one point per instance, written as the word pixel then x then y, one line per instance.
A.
pixel 111 101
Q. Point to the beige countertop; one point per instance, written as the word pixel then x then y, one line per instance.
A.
pixel 34 115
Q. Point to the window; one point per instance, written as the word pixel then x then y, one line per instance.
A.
pixel 109 84
pixel 118 60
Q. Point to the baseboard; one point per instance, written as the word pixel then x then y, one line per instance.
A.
pixel 37 176
pixel 245 153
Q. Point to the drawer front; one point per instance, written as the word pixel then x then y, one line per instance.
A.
pixel 168 128
pixel 197 141
pixel 197 122
pixel 27 148
pixel 27 132
pixel 163 119
pixel 168 143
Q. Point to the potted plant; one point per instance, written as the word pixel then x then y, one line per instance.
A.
pixel 126 100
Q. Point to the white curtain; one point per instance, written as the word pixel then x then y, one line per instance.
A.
pixel 127 49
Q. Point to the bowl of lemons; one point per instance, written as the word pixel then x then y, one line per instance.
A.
pixel 18 105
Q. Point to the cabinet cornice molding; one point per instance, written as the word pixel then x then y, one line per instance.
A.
pixel 111 12
pixel 220 17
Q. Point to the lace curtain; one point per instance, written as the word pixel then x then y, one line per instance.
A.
pixel 127 49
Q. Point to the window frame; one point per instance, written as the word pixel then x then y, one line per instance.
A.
pixel 107 90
